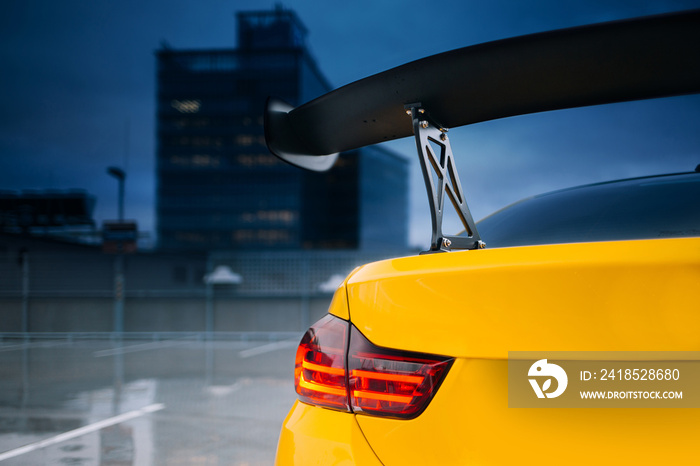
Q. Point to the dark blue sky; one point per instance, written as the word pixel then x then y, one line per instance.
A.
pixel 78 82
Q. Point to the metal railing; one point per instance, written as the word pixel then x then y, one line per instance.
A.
pixel 270 337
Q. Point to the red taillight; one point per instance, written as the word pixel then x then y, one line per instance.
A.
pixel 387 382
pixel 373 380
pixel 319 373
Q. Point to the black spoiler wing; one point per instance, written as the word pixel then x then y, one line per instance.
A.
pixel 618 61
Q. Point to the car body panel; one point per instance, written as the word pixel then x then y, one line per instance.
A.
pixel 610 296
pixel 339 303
pixel 317 436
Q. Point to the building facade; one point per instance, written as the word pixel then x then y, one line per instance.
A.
pixel 218 186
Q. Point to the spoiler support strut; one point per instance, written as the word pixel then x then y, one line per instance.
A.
pixel 440 176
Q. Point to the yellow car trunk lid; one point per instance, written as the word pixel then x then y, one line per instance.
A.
pixel 621 296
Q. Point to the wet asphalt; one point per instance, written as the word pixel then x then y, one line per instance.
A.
pixel 171 402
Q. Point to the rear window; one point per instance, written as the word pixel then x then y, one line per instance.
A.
pixel 642 208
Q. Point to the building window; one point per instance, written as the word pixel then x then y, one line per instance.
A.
pixel 269 236
pixel 271 216
pixel 186 106
pixel 196 160
pixel 244 140
pixel 257 160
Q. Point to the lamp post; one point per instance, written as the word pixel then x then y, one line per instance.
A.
pixel 219 275
pixel 120 175
pixel 23 260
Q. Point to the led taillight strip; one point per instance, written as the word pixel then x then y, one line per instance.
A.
pixel 325 369
pixel 382 396
pixel 321 388
pixel 414 379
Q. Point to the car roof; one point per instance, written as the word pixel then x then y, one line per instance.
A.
pixel 627 182
pixel 659 206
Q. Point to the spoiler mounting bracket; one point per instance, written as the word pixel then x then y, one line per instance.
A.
pixel 440 176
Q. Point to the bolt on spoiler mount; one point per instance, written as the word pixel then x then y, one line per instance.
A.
pixel 642 58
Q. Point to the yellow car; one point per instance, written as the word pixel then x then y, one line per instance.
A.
pixel 564 329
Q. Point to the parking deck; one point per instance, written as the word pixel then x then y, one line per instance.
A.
pixel 95 400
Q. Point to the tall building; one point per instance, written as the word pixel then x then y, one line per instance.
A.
pixel 219 188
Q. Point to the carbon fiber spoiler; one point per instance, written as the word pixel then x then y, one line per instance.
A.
pixel 603 63
pixel 643 58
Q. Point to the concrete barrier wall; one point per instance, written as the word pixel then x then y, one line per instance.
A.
pixel 67 314
pixel 150 314
pixel 70 288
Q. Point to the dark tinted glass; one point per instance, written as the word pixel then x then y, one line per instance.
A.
pixel 642 208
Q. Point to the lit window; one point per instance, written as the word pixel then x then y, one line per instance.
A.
pixel 179 160
pixel 245 159
pixel 273 216
pixel 280 216
pixel 257 160
pixel 270 236
pixel 196 160
pixel 186 106
pixel 247 217
pixel 201 141
pixel 241 236
pixel 244 140
pixel 205 160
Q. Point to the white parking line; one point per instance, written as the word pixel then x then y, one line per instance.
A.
pixel 141 347
pixel 38 344
pixel 81 431
pixel 267 348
